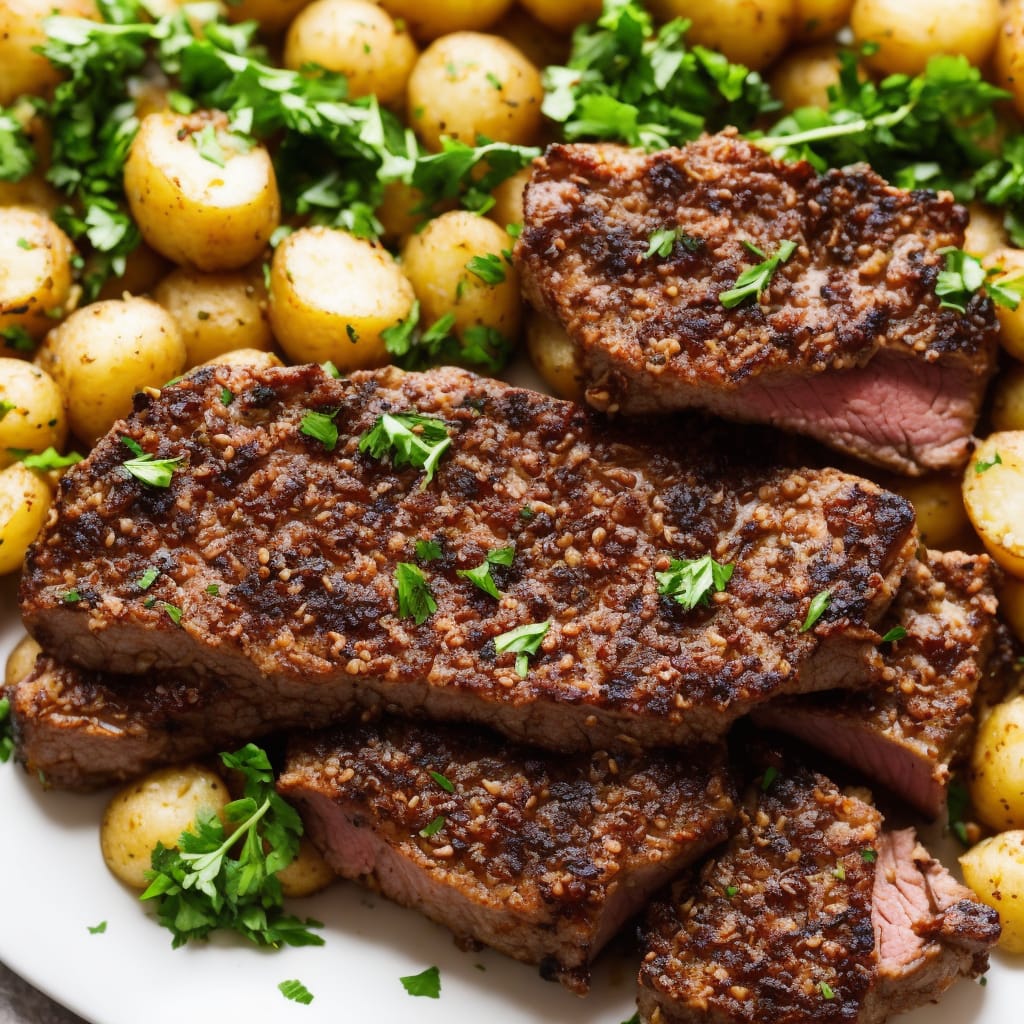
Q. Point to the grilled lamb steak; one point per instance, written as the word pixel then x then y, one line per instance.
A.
pixel 906 732
pixel 812 912
pixel 277 561
pixel 847 344
pixel 542 857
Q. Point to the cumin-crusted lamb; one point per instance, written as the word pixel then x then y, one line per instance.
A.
pixel 540 856
pixel 276 556
pixel 847 343
pixel 812 911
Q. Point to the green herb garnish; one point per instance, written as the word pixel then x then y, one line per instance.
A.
pixel 690 582
pixel 6 733
pixel 826 990
pixel 411 440
pixel 771 773
pixel 868 855
pixel 434 827
pixel 983 466
pixel 481 574
pixel 816 609
pixel 414 598
pixel 145 581
pixel 754 280
pixel 445 783
pixel 146 468
pixel 523 641
pixel 488 268
pixel 45 461
pixel 663 241
pixel 428 551
pixel 321 427
pixel 296 992
pixel 427 983
pixel 894 634
pixel 97 929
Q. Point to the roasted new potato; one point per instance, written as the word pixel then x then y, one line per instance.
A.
pixel 939 504
pixel 1010 263
pixel 272 15
pixel 25 498
pixel 253 357
pixel 439 17
pixel 156 809
pixel 994 497
pixel 985 233
pixel 105 352
pixel 198 195
pixel 308 874
pixel 553 354
pixel 814 20
pixel 803 77
pixel 1008 59
pixel 21 660
pixel 1008 400
pixel 997 767
pixel 331 296
pixel 563 15
pixel 508 199
pixel 32 414
pixel 994 870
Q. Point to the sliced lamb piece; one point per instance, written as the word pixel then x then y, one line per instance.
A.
pixel 543 858
pixel 848 343
pixel 278 556
pixel 811 912
pixel 908 731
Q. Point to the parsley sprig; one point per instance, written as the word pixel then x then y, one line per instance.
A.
pixel 202 886
pixel 964 275
pixel 691 581
pixel 523 641
pixel 411 440
pixel 480 575
pixel 415 600
pixel 146 467
pixel 754 280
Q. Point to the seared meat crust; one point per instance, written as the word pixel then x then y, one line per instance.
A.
pixel 281 557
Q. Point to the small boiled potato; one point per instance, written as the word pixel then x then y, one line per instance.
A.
pixel 750 32
pixel 439 17
pixel 469 84
pixel 820 19
pixel 996 776
pixel 35 270
pixel 939 504
pixel 33 191
pixel 994 871
pixel 216 312
pixel 273 15
pixel 251 357
pixel 24 501
pixel 156 809
pixel 563 15
pixel 554 355
pixel 331 296
pixel 32 414
pixel 309 873
pixel 985 232
pixel 23 71
pixel 436 259
pixel 802 78
pixel 1008 400
pixel 1011 321
pixel 508 199
pixel 1008 59
pixel 1011 605
pixel 105 352
pixel 358 39
pixel 399 212
pixel 910 32
pixel 994 497
pixel 142 270
pixel 191 208
pixel 537 42
pixel 21 660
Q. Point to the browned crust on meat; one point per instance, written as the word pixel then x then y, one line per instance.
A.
pixel 541 857
pixel 301 546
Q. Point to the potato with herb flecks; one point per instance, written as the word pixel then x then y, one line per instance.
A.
pixel 32 414
pixel 939 503
pixel 201 195
pixel 994 497
pixel 25 498
pixel 428 20
pixel 469 84
pixel 254 357
pixel 803 77
pixel 997 767
pixel 308 874
pixel 815 20
pixel 553 354
pixel 105 352
pixel 994 871
pixel 272 15
pixel 357 39
pixel 21 660
pixel 1010 263
pixel 156 809
pixel 331 296
pixel 563 15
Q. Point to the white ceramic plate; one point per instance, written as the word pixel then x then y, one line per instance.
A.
pixel 54 886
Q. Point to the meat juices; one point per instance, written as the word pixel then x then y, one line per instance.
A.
pixel 847 344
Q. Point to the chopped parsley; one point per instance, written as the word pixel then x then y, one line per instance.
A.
pixel 816 609
pixel 964 275
pixel 983 466
pixel 481 574
pixel 663 241
pixel 868 855
pixel 6 736
pixel 213 589
pixel 226 396
pixel 411 439
pixel 209 146
pixel 434 827
pixel 296 991
pixel 217 879
pixel 414 598
pixel 771 773
pixel 413 348
pixel 17 154
pixel 330 369
pixel 321 427
pixel 443 781
pixel 894 634
pixel 146 580
pixel 353 334
pixel 526 513
pixel 489 268
pixel 731 890
pixel 72 597
pixel 47 460
pixel 754 280
pixel 839 872
pixel 826 990
pixel 428 550
pixel 173 612
pixel 958 803
pixel 427 983
pixel 97 929
pixel 523 641
pixel 18 338
pixel 690 581
pixel 146 468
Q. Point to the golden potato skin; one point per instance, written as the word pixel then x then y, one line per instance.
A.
pixel 35 271
pixel 939 504
pixel 553 354
pixel 802 77
pixel 358 39
pixel 910 32
pixel 435 262
pixel 997 767
pixel 508 199
pixel 34 192
pixel 1008 399
pixel 216 313
pixel 994 497
pixel 22 70
pixel 253 357
pixel 338 315
pixel 25 497
pixel 994 871
pixel 563 15
pixel 143 269
pixel 189 208
pixel 538 43
pixel 1011 321
pixel 985 233
pixel 105 352
pixel 439 17
pixel 1008 58
pixel 750 32
pixel 156 809
pixel 1011 605
pixel 21 660
pixel 32 413
pixel 273 15
pixel 307 875
pixel 814 20
pixel 469 84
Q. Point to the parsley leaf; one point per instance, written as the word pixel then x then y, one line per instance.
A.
pixel 868 855
pixel 771 773
pixel 489 268
pixel 414 598
pixel 209 147
pixel 411 439
pixel 146 580
pixel 146 468
pixel 958 803
pixel 414 348
pixel 174 613
pixel 663 241
pixel 321 427
pixel 18 339
pixel 754 280
pixel 47 460
pixel 894 634
pixel 6 732
pixel 826 990
pixel 522 641
pixel 428 550
pixel 202 886
pixel 481 574
pixel 296 992
pixel 689 582
pixel 984 465
pixel 433 827
pixel 427 983
pixel 443 781
pixel 97 929
pixel 816 609
pixel 17 154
